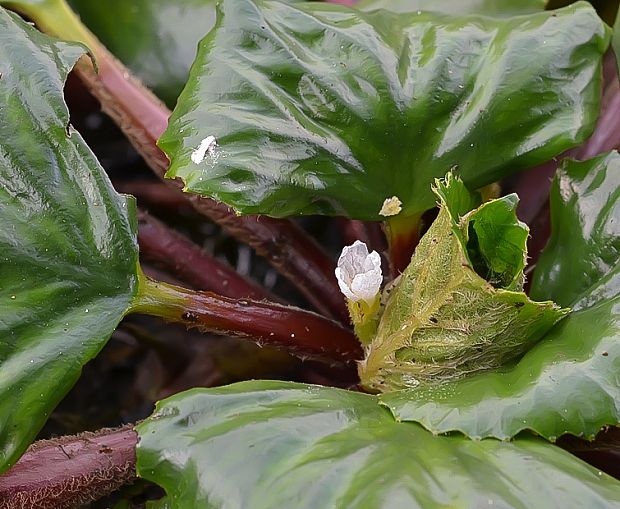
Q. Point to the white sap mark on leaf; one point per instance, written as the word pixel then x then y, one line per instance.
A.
pixel 207 146
pixel 391 206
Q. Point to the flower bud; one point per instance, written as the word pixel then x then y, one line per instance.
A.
pixel 359 273
pixel 359 278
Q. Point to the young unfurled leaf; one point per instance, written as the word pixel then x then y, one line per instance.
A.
pixel 322 109
pixel 568 382
pixel 458 307
pixel 268 445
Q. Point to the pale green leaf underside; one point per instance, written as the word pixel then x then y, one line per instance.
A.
pixel 459 307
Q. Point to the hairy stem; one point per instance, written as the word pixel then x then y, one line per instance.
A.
pixel 299 332
pixel 153 194
pixel 143 118
pixel 71 471
pixel 193 265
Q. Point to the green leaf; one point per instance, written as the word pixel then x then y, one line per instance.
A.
pixel 568 382
pixel 277 444
pixel 156 39
pixel 461 7
pixel 319 109
pixel 459 307
pixel 68 252
pixel 585 239
pixel 498 240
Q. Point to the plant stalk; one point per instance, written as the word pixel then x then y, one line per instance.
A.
pixel 602 453
pixel 369 232
pixel 299 332
pixel 190 263
pixel 403 235
pixel 154 194
pixel 143 118
pixel 71 471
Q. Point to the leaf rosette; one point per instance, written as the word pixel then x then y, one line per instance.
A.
pixel 459 307
pixel 567 382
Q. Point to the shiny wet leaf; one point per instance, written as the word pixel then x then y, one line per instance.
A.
pixel 319 109
pixel 68 253
pixel 277 444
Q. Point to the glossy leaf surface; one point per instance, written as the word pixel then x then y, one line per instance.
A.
pixel 460 7
pixel 68 253
pixel 314 108
pixel 156 39
pixel 585 239
pixel 568 382
pixel 277 444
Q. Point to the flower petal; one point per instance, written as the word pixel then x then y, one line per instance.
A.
pixel 359 272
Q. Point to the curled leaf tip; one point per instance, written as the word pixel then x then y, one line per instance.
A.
pixel 359 273
pixel 459 307
pixel 391 207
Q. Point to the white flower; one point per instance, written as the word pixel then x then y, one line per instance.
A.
pixel 206 146
pixel 359 273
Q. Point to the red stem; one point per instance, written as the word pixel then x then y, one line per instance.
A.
pixel 403 234
pixel 143 118
pixel 189 263
pixel 70 471
pixel 607 133
pixel 299 332
pixel 153 194
pixel 369 233
pixel 603 452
